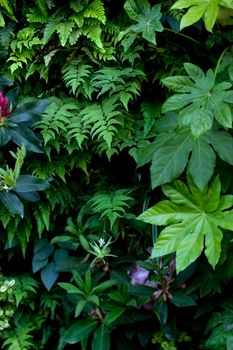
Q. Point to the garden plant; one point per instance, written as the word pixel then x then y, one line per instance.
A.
pixel 116 174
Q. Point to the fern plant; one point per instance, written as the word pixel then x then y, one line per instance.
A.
pixel 111 206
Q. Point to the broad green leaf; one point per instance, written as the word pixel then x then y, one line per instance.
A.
pixel 49 275
pixel 113 314
pixel 103 286
pixel 145 154
pixel 182 300
pixel 148 18
pixel 101 339
pixel 222 143
pixel 12 203
pixel 197 9
pixel 179 84
pixel 192 15
pixel 170 160
pixel 210 15
pixel 79 307
pixel 202 163
pixel 200 101
pixel 70 288
pixel 28 183
pixel 79 330
pixel 194 220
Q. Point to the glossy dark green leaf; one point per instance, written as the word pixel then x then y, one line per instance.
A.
pixel 24 136
pixel 80 330
pixel 114 314
pixel 29 196
pixel 49 275
pixel 29 112
pixel 12 203
pixel 101 339
pixel 38 264
pixel 29 183
pixel 181 300
pixel 4 136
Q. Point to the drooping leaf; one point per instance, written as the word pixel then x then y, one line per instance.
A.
pixel 194 220
pixel 49 275
pixel 29 183
pixel 12 203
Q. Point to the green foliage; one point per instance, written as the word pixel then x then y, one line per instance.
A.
pixel 220 326
pixel 112 205
pixel 208 10
pixel 170 154
pixel 89 110
pixel 200 100
pixel 193 217
pixel 148 19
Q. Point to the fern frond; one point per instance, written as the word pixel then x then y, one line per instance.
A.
pixel 47 169
pixel 36 16
pixel 64 30
pixel 23 233
pixel 64 198
pixel 111 205
pixel 102 117
pixel 2 21
pixel 21 335
pixel 96 10
pixel 56 118
pixel 39 222
pixel 52 24
pixel 123 84
pixel 42 216
pixel 93 32
pixel 76 74
pixel 25 286
pixel 42 6
pixel 7 6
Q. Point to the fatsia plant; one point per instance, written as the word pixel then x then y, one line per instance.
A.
pixel 200 100
pixel 147 18
pixel 205 9
pixel 175 148
pixel 194 220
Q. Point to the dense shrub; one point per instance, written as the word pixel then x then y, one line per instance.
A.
pixel 116 188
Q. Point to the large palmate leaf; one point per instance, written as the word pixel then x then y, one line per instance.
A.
pixel 148 18
pixel 194 220
pixel 199 100
pixel 197 9
pixel 171 150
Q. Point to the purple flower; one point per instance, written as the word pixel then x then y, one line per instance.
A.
pixel 138 275
pixel 4 109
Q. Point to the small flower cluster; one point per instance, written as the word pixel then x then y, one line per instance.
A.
pixel 4 108
pixel 101 250
pixel 162 284
pixel 7 302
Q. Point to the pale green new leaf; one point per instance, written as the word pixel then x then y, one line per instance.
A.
pixel 194 220
pixel 197 9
